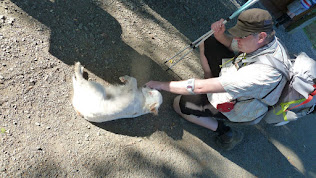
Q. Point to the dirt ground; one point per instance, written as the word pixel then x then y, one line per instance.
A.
pixel 41 135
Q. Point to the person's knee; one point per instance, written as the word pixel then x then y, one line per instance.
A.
pixel 176 107
pixel 176 104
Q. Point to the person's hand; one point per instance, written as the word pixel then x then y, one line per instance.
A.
pixel 218 27
pixel 154 85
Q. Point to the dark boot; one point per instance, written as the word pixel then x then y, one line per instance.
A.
pixel 229 140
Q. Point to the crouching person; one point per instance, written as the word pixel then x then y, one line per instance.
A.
pixel 242 89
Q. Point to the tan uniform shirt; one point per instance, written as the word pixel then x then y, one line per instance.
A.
pixel 251 85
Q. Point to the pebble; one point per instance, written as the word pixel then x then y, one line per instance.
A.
pixel 32 82
pixel 11 21
pixel 2 17
pixel 87 136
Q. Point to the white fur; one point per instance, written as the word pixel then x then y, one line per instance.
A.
pixel 98 103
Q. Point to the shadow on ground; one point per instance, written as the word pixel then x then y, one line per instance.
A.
pixel 268 151
pixel 143 126
pixel 81 31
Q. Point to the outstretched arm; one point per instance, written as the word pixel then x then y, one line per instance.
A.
pixel 201 86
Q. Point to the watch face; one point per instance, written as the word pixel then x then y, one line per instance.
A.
pixel 190 86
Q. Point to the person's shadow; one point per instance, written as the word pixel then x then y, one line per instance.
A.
pixel 82 31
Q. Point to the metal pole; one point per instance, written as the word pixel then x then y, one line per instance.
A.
pixel 201 39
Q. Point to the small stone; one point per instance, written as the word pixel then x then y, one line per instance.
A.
pixel 87 136
pixel 11 21
pixel 32 82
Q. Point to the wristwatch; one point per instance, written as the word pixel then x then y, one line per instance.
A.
pixel 190 86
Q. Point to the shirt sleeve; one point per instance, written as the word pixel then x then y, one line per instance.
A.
pixel 253 81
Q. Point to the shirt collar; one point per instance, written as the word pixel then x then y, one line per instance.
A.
pixel 270 47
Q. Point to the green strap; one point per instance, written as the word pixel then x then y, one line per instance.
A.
pixel 243 57
pixel 226 62
pixel 286 105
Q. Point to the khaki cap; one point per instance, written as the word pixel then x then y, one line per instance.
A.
pixel 252 21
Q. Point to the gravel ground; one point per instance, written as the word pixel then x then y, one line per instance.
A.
pixel 41 135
